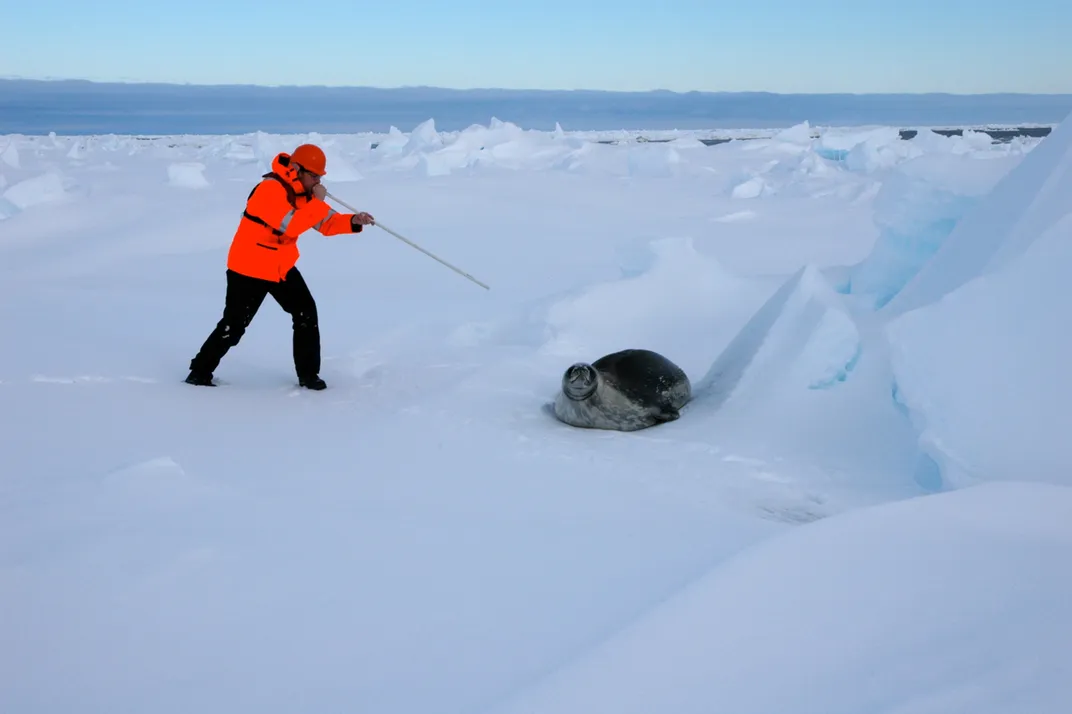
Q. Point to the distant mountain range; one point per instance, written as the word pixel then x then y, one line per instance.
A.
pixel 33 106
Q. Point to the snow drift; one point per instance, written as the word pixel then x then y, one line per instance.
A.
pixel 980 365
pixel 946 603
pixel 1028 200
pixel 984 372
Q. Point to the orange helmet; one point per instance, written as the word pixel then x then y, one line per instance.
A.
pixel 311 157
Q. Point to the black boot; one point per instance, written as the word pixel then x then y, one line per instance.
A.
pixel 200 379
pixel 312 383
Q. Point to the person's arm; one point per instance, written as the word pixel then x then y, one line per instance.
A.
pixel 335 223
pixel 269 203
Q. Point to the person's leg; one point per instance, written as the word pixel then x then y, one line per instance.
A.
pixel 294 297
pixel 243 299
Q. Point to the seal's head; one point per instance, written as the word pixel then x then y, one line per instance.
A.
pixel 580 381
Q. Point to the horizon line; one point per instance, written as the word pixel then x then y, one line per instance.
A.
pixel 440 88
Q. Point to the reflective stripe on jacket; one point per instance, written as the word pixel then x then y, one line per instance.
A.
pixel 278 210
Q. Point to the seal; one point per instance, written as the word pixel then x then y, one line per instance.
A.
pixel 624 391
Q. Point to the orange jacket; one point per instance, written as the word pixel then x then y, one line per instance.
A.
pixel 278 210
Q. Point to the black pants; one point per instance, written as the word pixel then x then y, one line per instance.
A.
pixel 243 299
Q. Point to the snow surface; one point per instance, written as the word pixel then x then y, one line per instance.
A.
pixel 866 507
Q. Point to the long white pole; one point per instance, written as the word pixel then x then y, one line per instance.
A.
pixel 411 243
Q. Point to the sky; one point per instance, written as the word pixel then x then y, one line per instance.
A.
pixel 680 45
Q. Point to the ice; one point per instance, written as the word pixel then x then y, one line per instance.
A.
pixel 238 151
pixel 797 135
pixel 393 143
pixel 863 509
pixel 10 153
pixel 752 188
pixel 686 143
pixel 802 333
pixel 342 169
pixel 423 138
pixel 878 150
pixel 877 154
pixel 435 153
pixel 984 371
pixel 914 217
pixel 32 192
pixel 1029 198
pixel 266 146
pixel 982 309
pixel 653 160
pixel 187 174
pixel 78 150
pixel 919 204
pixel 735 217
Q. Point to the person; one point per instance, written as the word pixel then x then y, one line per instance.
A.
pixel 262 259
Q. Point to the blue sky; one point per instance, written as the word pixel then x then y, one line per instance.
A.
pixel 794 46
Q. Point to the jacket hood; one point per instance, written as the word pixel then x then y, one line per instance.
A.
pixel 282 166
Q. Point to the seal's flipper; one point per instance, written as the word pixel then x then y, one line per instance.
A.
pixel 664 414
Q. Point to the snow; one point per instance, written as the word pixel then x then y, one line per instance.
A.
pixel 187 174
pixel 950 603
pixel 10 153
pixel 38 190
pixel 1029 198
pixel 866 506
pixel 752 188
